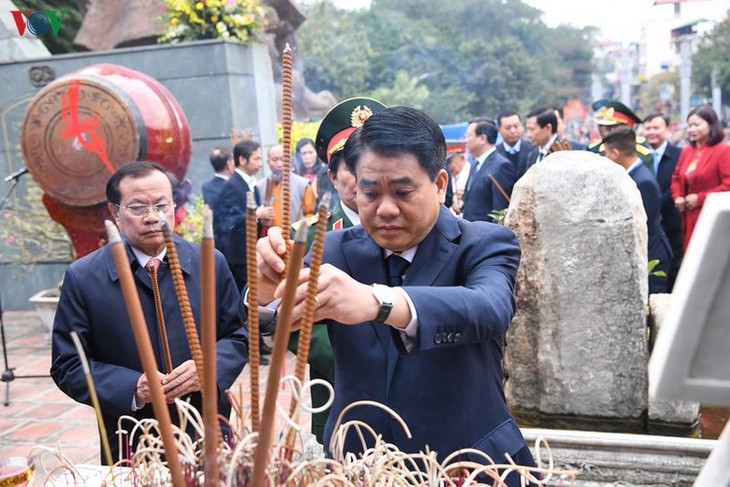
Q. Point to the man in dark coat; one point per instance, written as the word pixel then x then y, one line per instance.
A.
pixel 513 146
pixel 491 176
pixel 666 155
pixel 416 301
pixel 222 162
pixel 621 148
pixel 91 304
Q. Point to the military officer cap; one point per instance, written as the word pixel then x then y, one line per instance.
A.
pixel 453 149
pixel 340 122
pixel 613 112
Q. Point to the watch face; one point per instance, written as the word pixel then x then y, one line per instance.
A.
pixel 383 294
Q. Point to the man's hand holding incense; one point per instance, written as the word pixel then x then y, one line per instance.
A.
pixel 341 298
pixel 143 394
pixel 270 251
pixel 181 381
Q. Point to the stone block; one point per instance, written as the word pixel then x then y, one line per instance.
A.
pixel 577 346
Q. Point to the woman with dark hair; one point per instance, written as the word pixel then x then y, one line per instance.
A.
pixel 703 167
pixel 307 161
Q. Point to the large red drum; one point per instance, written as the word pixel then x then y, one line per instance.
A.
pixel 79 129
pixel 82 127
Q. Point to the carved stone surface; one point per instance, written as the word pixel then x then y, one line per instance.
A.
pixel 116 23
pixel 577 346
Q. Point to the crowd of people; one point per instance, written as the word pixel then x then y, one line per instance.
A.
pixel 413 298
pixel 499 152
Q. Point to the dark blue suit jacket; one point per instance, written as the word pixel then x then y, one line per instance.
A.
pixel 448 388
pixel 671 220
pixel 481 196
pixel 229 219
pixel 520 159
pixel 91 304
pixel 659 247
pixel 211 189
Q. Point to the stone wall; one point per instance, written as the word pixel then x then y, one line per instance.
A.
pixel 220 85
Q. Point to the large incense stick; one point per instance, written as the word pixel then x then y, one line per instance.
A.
pixel 146 355
pixel 286 121
pixel 208 323
pixel 310 306
pixel 94 399
pixel 281 338
pixel 184 302
pixel 253 310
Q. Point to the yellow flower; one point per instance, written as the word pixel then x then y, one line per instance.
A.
pixel 214 18
pixel 174 21
pixel 199 6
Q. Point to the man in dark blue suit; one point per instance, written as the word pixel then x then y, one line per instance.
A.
pixel 666 155
pixel 139 196
pixel 229 210
pixel 222 162
pixel 542 130
pixel 417 301
pixel 491 176
pixel 513 146
pixel 621 148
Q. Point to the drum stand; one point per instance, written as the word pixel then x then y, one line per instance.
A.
pixel 8 374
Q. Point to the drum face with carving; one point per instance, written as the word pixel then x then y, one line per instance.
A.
pixel 79 129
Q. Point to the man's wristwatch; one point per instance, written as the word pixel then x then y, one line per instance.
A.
pixel 385 296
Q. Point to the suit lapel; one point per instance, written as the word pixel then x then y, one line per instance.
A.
pixel 365 262
pixel 434 251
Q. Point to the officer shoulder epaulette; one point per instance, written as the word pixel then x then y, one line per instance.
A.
pixel 595 145
pixel 642 149
pixel 311 220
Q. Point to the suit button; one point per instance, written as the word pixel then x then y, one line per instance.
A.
pixel 450 337
pixel 457 337
pixel 437 338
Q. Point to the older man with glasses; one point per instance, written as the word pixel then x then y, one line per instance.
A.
pixel 139 198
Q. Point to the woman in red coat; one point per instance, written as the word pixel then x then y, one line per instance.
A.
pixel 703 167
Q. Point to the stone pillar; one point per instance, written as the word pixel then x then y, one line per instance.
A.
pixel 577 348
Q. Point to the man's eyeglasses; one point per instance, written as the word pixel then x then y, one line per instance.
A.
pixel 142 210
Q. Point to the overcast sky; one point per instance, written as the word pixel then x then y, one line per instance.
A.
pixel 618 20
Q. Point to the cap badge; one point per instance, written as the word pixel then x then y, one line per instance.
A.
pixel 359 115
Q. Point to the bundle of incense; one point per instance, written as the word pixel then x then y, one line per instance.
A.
pixel 310 306
pixel 208 323
pixel 146 355
pixel 281 339
pixel 182 299
pixel 253 311
pixel 94 399
pixel 286 122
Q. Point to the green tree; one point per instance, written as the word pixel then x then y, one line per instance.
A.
pixel 713 53
pixel 472 57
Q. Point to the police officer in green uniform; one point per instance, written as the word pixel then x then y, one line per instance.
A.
pixel 333 132
pixel 612 114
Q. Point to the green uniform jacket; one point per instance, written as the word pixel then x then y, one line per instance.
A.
pixel 321 362
pixel 643 150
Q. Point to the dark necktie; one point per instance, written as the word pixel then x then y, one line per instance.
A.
pixel 396 266
pixel 472 174
pixel 152 266
pixel 257 195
